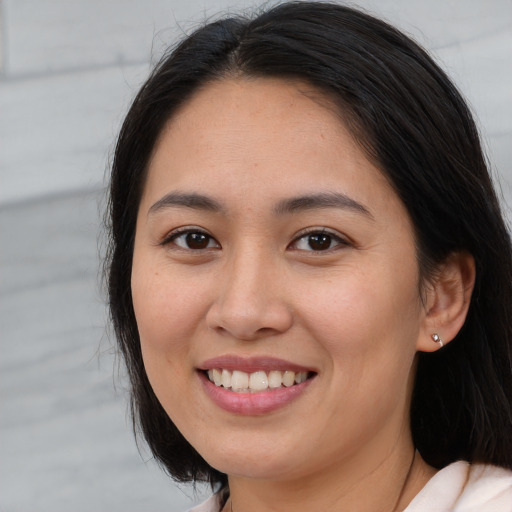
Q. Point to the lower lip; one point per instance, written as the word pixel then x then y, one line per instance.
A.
pixel 252 404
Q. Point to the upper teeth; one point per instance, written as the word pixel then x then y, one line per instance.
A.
pixel 256 381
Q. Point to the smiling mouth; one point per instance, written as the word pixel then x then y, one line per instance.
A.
pixel 243 382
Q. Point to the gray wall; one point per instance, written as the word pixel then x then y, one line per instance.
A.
pixel 68 71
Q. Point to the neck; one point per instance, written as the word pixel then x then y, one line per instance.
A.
pixel 388 486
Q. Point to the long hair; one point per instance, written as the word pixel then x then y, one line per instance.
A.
pixel 414 125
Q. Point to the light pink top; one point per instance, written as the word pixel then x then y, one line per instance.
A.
pixel 459 487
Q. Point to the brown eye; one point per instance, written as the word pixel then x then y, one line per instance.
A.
pixel 319 242
pixel 194 240
pixel 197 240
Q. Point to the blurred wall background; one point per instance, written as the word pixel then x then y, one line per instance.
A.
pixel 68 69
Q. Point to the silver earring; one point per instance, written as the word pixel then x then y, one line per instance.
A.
pixel 437 339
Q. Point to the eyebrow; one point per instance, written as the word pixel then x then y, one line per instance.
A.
pixel 287 206
pixel 320 201
pixel 194 201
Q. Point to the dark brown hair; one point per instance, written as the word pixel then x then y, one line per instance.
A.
pixel 413 123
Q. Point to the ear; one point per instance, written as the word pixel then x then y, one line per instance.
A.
pixel 447 300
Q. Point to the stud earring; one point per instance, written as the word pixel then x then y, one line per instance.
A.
pixel 437 339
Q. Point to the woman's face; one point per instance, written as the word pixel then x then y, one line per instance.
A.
pixel 267 244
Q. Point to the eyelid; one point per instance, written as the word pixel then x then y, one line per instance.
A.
pixel 342 239
pixel 184 230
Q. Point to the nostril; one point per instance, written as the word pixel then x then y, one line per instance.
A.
pixel 249 323
pixel 266 331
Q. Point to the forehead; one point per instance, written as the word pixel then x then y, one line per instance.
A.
pixel 260 138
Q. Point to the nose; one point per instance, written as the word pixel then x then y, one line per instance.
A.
pixel 250 301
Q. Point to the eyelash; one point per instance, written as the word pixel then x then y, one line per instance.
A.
pixel 305 235
pixel 184 232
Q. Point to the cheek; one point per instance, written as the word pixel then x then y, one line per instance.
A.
pixel 166 321
pixel 167 308
pixel 367 326
pixel 367 321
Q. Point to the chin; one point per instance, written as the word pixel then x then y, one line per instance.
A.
pixel 254 468
pixel 257 461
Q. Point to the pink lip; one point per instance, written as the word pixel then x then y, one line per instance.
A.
pixel 251 404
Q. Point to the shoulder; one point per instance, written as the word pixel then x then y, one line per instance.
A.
pixel 212 504
pixel 464 487
pixel 487 488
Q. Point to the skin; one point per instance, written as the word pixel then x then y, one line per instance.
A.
pixel 353 312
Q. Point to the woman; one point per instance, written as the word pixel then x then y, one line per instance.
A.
pixel 310 277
